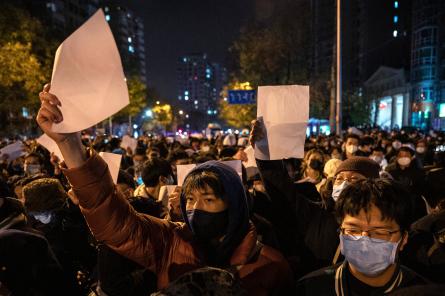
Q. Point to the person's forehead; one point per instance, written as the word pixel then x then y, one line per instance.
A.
pixel 404 153
pixel 350 174
pixel 370 219
pixel 32 159
pixel 351 140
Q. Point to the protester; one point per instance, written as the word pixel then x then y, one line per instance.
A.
pixel 213 203
pixel 374 222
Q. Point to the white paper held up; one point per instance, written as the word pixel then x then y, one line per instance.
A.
pixel 284 112
pixel 88 77
pixel 14 151
pixel 113 161
pixel 50 145
pixel 129 142
pixel 250 152
pixel 236 165
pixel 182 172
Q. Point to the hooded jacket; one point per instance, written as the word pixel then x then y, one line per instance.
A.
pixel 167 248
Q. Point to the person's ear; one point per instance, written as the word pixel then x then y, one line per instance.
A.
pixel 404 240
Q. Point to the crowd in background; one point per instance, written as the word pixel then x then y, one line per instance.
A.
pixel 46 247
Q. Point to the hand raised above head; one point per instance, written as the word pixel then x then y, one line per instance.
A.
pixel 256 131
pixel 69 143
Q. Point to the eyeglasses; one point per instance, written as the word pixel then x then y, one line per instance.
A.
pixel 340 180
pixel 376 235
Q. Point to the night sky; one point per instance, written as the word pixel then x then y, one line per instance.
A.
pixel 177 27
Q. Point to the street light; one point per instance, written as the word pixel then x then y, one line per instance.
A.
pixel 157 102
pixel 181 112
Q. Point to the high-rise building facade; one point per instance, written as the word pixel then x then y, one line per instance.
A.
pixel 428 64
pixel 65 16
pixel 128 31
pixel 199 85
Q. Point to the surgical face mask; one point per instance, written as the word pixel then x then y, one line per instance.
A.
pixel 370 257
pixel 31 169
pixel 396 145
pixel 206 225
pixel 420 149
pixel 44 217
pixel 404 161
pixel 351 149
pixel 376 158
pixel 170 181
pixel 337 189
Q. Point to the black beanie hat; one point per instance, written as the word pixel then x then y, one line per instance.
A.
pixel 363 165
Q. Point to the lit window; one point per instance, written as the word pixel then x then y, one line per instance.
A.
pixel 131 48
pixel 129 39
pixel 396 19
pixel 394 34
pixel 107 18
pixel 396 4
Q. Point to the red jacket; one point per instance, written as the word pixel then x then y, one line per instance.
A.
pixel 162 246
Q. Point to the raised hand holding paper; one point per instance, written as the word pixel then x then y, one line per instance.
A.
pixel 88 77
pixel 284 112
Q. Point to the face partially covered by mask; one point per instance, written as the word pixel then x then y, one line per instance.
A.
pixel 337 189
pixel 32 169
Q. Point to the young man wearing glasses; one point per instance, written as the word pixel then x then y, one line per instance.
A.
pixel 374 216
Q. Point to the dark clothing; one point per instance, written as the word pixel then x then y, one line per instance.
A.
pixel 168 249
pixel 338 280
pixel 28 267
pixel 413 179
pixel 304 228
pixel 119 276
pixel 435 186
pixel 424 252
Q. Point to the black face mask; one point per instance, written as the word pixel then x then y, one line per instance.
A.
pixel 316 164
pixel 207 226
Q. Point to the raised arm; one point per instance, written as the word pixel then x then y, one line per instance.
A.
pixel 110 217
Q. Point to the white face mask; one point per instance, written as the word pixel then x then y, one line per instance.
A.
pixel 44 217
pixel 170 181
pixel 404 161
pixel 376 158
pixel 351 149
pixel 31 169
pixel 420 150
pixel 396 145
pixel 337 189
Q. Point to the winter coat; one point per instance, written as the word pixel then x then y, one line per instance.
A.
pixel 163 247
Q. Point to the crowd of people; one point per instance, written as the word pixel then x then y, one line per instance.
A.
pixel 360 214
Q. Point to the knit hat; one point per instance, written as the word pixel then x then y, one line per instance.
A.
pixel 363 165
pixel 43 195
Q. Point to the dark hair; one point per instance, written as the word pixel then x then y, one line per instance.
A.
pixel 354 136
pixel 200 180
pixel 35 154
pixel 367 140
pixel 177 154
pixel 406 149
pixel 379 149
pixel 126 178
pixel 153 169
pixel 393 201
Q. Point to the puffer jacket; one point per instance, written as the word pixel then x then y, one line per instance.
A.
pixel 164 247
